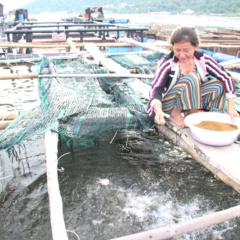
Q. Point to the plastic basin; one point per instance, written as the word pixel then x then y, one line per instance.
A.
pixel 209 137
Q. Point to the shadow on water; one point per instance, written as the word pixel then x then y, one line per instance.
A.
pixel 137 183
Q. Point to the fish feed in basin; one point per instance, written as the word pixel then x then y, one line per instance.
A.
pixel 213 128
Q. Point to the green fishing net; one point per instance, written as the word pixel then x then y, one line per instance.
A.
pixel 79 109
pixel 144 63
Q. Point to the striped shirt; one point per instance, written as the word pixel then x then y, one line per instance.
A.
pixel 167 73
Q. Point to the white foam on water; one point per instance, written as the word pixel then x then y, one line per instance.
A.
pixel 103 182
pixel 149 209
pixel 162 209
pixel 96 222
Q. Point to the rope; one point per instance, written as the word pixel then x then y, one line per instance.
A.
pixel 74 234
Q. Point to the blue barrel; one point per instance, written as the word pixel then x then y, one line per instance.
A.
pixel 9 24
pixel 219 57
pixel 21 17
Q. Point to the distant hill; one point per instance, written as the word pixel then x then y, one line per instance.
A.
pixel 136 6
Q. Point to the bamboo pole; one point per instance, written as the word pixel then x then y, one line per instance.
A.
pixel 144 45
pixel 108 44
pixel 130 53
pixel 233 66
pixel 31 61
pixel 9 116
pixel 4 124
pixel 186 227
pixel 235 76
pixel 63 45
pixel 123 75
pixel 230 62
pixel 201 45
pixel 18 76
pixel 35 75
pixel 164 46
pixel 55 200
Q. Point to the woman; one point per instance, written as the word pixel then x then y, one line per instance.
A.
pixel 188 80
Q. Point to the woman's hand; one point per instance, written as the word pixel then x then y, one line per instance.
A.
pixel 159 117
pixel 231 110
pixel 232 113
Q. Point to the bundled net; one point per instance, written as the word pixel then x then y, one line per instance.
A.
pixel 144 63
pixel 79 109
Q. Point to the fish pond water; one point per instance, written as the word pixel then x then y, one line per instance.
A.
pixel 136 183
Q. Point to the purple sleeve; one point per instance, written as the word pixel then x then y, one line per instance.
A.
pixel 218 72
pixel 159 82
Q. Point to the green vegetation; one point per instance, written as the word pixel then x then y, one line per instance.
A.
pixel 230 7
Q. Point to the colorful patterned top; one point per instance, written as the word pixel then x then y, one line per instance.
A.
pixel 167 74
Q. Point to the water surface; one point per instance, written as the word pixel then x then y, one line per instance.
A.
pixel 137 183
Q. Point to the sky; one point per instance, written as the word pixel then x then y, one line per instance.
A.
pixel 13 4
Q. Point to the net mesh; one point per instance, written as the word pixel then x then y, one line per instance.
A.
pixel 144 63
pixel 79 109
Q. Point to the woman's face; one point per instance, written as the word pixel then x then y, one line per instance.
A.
pixel 184 51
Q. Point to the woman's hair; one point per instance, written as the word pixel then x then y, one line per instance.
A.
pixel 184 34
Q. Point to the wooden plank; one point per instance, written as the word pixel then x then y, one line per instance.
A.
pixel 111 65
pixel 55 199
pixel 138 86
pixel 73 48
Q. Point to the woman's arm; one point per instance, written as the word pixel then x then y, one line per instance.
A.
pixel 159 115
pixel 159 83
pixel 217 71
pixel 231 109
